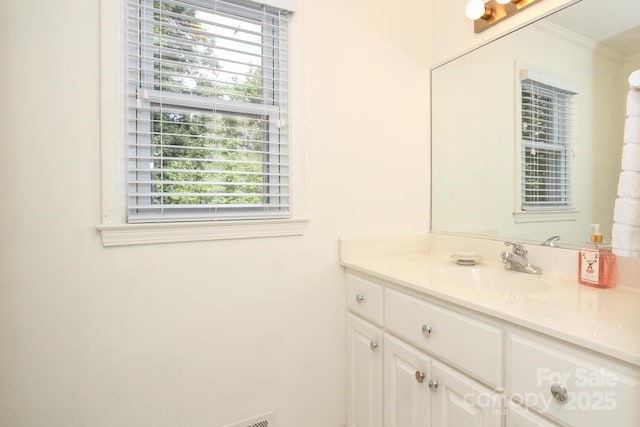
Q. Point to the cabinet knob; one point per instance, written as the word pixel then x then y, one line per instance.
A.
pixel 374 345
pixel 419 376
pixel 360 298
pixel 559 392
pixel 426 330
pixel 434 384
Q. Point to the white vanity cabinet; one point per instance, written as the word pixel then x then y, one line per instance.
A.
pixel 419 361
pixel 419 388
pixel 422 390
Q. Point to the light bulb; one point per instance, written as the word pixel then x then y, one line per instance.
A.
pixel 503 1
pixel 475 9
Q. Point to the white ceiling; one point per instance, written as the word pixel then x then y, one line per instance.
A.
pixel 615 23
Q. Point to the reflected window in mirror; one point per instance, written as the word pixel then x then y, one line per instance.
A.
pixel 476 127
pixel 546 143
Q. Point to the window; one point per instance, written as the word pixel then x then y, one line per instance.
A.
pixel 207 111
pixel 194 136
pixel 546 146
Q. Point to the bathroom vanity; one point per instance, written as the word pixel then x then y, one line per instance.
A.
pixel 431 343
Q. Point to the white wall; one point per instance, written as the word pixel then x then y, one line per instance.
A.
pixel 198 334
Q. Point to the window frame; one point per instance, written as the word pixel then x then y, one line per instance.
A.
pixel 114 228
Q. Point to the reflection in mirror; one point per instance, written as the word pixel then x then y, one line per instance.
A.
pixel 527 131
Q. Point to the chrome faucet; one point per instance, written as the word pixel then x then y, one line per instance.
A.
pixel 516 260
pixel 551 241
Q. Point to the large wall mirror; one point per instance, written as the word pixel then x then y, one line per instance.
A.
pixel 527 130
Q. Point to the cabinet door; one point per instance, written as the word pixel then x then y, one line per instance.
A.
pixel 364 373
pixel 458 401
pixel 406 394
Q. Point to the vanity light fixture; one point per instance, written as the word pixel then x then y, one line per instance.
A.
pixel 490 13
pixel 476 9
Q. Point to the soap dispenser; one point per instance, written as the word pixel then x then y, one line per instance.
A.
pixel 597 265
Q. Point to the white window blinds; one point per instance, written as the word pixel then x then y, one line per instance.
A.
pixel 207 103
pixel 547 122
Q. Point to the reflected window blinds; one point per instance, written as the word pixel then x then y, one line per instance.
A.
pixel 547 114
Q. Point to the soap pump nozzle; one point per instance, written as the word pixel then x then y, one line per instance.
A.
pixel 596 236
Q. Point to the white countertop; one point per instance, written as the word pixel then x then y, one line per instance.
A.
pixel 603 320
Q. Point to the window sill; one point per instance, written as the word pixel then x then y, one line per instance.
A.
pixel 145 234
pixel 543 216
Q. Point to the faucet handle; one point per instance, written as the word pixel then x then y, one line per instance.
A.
pixel 518 249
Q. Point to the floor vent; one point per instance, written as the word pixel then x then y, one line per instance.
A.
pixel 264 420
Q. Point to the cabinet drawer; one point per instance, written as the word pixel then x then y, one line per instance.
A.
pixel 466 342
pixel 518 416
pixel 365 298
pixel 596 392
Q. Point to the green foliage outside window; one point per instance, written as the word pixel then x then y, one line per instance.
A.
pixel 203 157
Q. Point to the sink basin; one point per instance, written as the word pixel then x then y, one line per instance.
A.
pixel 491 280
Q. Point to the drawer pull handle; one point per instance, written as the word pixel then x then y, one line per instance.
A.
pixel 374 345
pixel 426 330
pixel 360 298
pixel 419 376
pixel 559 392
pixel 434 384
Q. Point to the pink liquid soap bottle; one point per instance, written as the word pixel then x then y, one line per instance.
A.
pixel 597 265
